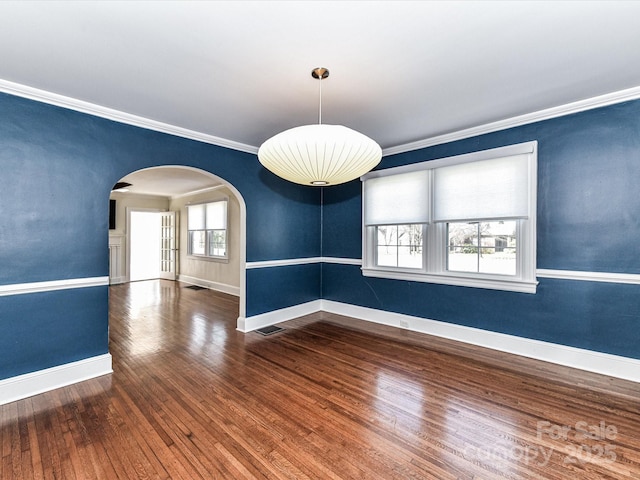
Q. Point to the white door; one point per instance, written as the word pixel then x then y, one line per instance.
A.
pixel 168 245
pixel 143 245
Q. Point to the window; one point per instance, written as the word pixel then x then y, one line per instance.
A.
pixel 466 220
pixel 399 246
pixel 482 247
pixel 207 229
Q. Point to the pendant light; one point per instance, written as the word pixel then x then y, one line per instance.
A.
pixel 319 155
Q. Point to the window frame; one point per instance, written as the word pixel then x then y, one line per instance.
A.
pixel 208 233
pixel 435 238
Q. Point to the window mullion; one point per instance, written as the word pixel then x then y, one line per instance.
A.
pixel 397 245
pixel 433 248
pixel 478 242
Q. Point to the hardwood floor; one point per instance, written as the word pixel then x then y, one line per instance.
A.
pixel 328 398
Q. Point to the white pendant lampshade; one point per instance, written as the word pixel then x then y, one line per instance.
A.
pixel 319 155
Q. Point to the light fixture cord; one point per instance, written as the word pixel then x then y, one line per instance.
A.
pixel 320 103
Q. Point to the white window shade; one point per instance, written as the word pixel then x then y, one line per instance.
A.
pixel 216 218
pixel 488 189
pixel 195 217
pixel 397 199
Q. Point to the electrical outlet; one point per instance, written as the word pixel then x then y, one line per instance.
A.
pixel 404 324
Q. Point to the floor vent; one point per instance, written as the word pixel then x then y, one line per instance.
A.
pixel 270 330
pixel 196 287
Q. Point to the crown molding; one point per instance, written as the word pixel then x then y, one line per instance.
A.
pixel 546 114
pixel 44 96
pixel 118 116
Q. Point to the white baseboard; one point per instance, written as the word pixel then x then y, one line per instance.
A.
pixel 248 324
pixel 219 287
pixel 117 280
pixel 29 384
pixel 588 360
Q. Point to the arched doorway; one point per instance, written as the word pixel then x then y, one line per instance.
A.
pixel 173 188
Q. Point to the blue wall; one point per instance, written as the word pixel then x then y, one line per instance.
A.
pixel 280 287
pixel 57 168
pixel 588 220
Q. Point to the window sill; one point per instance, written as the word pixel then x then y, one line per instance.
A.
pixel 208 259
pixel 492 283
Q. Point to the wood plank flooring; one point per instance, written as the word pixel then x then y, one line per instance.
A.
pixel 328 398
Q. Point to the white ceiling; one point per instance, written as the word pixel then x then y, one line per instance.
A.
pixel 169 181
pixel 400 71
